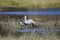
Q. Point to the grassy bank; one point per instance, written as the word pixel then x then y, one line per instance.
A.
pixel 30 3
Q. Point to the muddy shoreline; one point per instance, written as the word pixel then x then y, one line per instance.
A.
pixel 11 9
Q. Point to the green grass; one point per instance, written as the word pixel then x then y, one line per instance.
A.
pixel 30 3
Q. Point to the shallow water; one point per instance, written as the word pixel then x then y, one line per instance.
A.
pixel 31 13
pixel 40 30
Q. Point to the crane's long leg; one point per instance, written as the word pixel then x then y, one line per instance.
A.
pixel 33 25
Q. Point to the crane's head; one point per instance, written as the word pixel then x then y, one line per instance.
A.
pixel 25 17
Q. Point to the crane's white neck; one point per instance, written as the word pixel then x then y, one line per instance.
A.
pixel 25 18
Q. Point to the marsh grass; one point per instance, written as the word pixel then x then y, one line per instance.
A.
pixel 31 36
pixel 9 25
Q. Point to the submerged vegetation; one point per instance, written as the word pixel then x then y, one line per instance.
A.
pixel 30 3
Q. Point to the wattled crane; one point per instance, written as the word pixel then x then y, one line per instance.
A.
pixel 27 22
